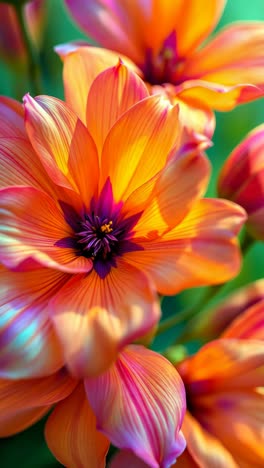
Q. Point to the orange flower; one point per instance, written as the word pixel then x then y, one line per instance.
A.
pixel 166 41
pixel 95 220
pixel 224 384
pixel 242 179
pixel 12 47
pixel 139 403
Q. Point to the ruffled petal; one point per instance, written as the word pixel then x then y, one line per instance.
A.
pixel 95 317
pixel 11 118
pixel 122 88
pixel 72 436
pixel 64 145
pixel 89 61
pixel 22 402
pixel 201 250
pixel 33 226
pixel 143 405
pixel 29 346
pixel 178 187
pixel 233 57
pixel 152 130
pixel 206 451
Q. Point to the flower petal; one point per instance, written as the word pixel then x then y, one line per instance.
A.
pixel 217 96
pixel 143 405
pixel 234 306
pixel 95 317
pixel 63 144
pixel 152 129
pixel 233 57
pixel 201 250
pixel 127 459
pixel 180 184
pixel 250 324
pixel 133 27
pixel 239 363
pixel 11 118
pixel 71 433
pixel 24 401
pixel 122 88
pixel 21 166
pixel 206 450
pixel 237 419
pixel 90 61
pixel 29 346
pixel 31 227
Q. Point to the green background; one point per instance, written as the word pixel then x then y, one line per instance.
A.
pixel 28 449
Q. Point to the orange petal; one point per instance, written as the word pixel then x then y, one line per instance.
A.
pixel 112 93
pixel 32 226
pixel 11 118
pixel 178 187
pixel 233 57
pixel 71 433
pixel 201 250
pixel 250 324
pixel 12 424
pixel 29 346
pixel 21 166
pixel 207 451
pixel 217 96
pixel 95 318
pixel 140 404
pixel 22 402
pixel 151 130
pixel 239 364
pixel 90 61
pixel 63 144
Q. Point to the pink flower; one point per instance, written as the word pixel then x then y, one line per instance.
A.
pixel 242 180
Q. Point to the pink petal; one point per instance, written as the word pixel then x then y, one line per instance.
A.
pixel 11 118
pixel 139 405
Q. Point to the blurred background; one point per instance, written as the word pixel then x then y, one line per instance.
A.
pixel 28 450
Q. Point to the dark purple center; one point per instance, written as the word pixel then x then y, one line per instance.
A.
pixel 101 233
pixel 166 66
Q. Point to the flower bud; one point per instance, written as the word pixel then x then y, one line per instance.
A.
pixel 242 180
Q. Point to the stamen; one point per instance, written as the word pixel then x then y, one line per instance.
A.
pixel 106 228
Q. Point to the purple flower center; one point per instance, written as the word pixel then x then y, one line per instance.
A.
pixel 101 232
pixel 98 237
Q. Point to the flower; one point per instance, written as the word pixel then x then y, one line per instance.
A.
pixel 242 179
pixel 212 323
pixel 224 380
pixel 95 220
pixel 166 41
pixel 12 47
pixel 139 403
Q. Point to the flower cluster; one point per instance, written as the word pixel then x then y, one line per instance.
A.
pixel 103 212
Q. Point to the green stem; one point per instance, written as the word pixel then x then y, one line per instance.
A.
pixel 188 313
pixel 32 57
